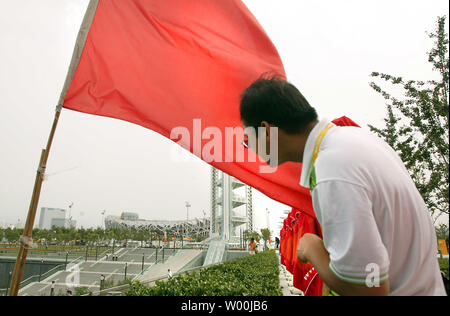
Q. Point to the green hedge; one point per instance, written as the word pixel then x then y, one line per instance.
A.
pixel 443 263
pixel 249 276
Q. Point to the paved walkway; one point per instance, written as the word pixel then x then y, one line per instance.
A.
pixel 286 281
pixel 174 263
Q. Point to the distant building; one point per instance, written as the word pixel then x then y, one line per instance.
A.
pixel 128 216
pixel 52 217
pixel 62 222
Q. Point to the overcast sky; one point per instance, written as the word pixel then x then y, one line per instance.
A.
pixel 329 48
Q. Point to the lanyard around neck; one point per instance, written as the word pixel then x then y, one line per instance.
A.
pixel 319 142
pixel 312 178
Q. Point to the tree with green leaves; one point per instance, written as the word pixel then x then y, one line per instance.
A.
pixel 417 124
pixel 248 235
pixel 442 232
pixel 265 234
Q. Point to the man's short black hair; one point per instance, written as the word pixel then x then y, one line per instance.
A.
pixel 277 102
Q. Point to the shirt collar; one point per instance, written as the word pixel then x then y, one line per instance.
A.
pixel 307 165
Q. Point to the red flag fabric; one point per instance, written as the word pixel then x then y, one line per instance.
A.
pixel 290 251
pixel 162 64
pixel 298 226
pixel 305 276
pixel 345 121
pixel 283 238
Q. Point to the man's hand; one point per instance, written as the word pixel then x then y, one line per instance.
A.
pixel 311 249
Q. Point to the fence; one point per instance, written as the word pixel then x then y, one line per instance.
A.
pixel 42 276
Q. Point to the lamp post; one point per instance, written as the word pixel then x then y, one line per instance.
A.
pixel 103 218
pixel 114 245
pixel 70 209
pixel 187 210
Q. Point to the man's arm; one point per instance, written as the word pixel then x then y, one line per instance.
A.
pixel 311 249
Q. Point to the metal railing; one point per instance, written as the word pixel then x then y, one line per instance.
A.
pixel 42 276
pixel 122 288
pixel 170 253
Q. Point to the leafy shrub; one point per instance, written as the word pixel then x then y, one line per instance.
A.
pixel 249 276
pixel 79 291
pixel 443 263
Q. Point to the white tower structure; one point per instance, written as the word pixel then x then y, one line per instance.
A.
pixel 231 206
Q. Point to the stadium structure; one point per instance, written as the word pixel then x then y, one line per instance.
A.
pixel 194 227
pixel 231 214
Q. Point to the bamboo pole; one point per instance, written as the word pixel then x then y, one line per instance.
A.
pixel 24 250
pixel 26 237
pixel 28 229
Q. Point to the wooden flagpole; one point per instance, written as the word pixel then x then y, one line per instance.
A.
pixel 25 240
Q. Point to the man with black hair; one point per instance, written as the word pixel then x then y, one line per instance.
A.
pixel 378 236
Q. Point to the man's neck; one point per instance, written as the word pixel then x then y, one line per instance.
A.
pixel 299 142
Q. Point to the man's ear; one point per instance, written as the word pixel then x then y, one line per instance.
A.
pixel 266 126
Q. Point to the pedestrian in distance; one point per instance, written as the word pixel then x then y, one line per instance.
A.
pixel 52 288
pixel 277 242
pixel 252 247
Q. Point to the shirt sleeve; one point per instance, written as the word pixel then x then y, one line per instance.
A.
pixel 350 233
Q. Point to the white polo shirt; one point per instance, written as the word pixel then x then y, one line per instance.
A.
pixel 374 220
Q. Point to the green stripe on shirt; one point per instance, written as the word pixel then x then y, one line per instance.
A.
pixel 355 279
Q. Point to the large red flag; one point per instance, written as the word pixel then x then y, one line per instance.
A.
pixel 163 64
